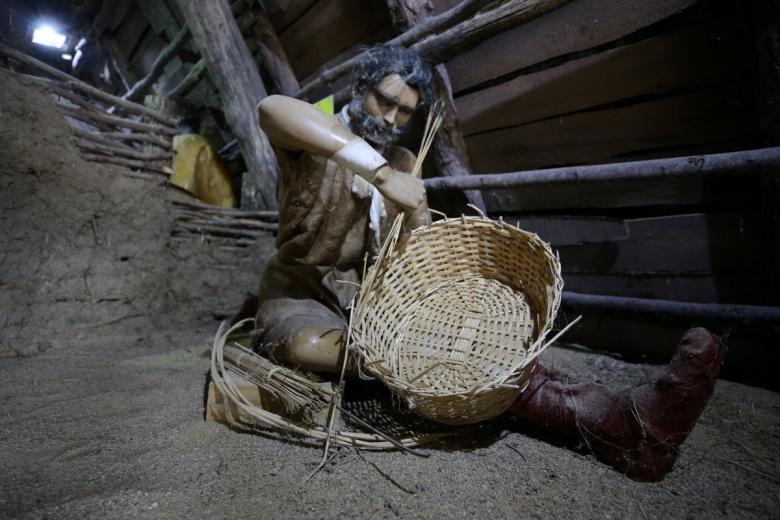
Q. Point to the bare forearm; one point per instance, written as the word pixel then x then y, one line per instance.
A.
pixel 296 126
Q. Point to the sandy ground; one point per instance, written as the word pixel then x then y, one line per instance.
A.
pixel 116 430
pixel 104 348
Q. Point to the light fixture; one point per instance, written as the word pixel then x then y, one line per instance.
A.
pixel 49 37
pixel 67 56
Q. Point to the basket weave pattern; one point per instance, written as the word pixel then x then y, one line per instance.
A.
pixel 454 319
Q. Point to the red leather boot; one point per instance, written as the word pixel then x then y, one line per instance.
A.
pixel 636 431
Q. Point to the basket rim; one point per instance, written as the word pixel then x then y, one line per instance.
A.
pixel 375 276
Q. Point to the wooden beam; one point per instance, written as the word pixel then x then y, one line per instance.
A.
pixel 99 137
pixel 122 66
pixel 708 311
pixel 192 78
pixel 219 42
pixel 565 32
pixel 743 288
pixel 442 47
pixel 747 162
pixel 123 152
pixel 641 69
pixel 158 67
pixel 95 115
pixel 714 119
pixel 273 54
pixel 451 155
pixel 114 137
pixel 157 166
pixel 196 72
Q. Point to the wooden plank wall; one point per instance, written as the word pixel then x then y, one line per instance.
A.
pixel 600 81
pixel 317 34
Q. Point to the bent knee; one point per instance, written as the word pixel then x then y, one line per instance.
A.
pixel 315 348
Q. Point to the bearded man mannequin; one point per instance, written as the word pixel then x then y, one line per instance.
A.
pixel 342 182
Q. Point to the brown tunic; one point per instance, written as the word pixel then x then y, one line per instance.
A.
pixel 323 238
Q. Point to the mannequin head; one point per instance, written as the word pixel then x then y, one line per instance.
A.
pixel 388 86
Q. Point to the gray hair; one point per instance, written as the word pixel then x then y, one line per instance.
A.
pixel 383 59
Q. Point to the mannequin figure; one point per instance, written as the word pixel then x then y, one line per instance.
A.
pixel 342 182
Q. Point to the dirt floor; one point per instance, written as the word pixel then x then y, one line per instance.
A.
pixel 104 343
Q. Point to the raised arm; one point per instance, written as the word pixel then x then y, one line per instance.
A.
pixel 295 125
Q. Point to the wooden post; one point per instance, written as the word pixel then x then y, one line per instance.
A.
pixel 219 42
pixel 139 89
pixel 744 163
pixel 766 28
pixel 273 54
pixel 122 66
pixel 450 150
pixel 197 71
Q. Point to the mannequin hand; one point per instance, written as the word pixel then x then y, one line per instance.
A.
pixel 400 188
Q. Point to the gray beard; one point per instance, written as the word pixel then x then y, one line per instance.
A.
pixel 373 130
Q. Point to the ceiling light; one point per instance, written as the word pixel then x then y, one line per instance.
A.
pixel 47 36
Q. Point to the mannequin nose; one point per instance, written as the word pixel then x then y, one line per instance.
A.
pixel 390 116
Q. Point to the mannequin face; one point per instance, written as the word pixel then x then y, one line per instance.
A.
pixel 381 115
pixel 392 101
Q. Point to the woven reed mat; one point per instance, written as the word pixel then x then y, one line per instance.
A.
pixel 249 391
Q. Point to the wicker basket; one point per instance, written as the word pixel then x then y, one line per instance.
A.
pixel 454 319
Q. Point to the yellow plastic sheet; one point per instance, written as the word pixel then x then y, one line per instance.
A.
pixel 198 170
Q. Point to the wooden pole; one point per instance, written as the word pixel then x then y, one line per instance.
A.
pixel 709 311
pixel 190 80
pixel 113 137
pixel 202 207
pixel 450 147
pixel 122 66
pixel 98 137
pixel 219 42
pixel 94 115
pixel 122 152
pixel 464 36
pixel 130 163
pixel 747 162
pixel 273 54
pixel 158 67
